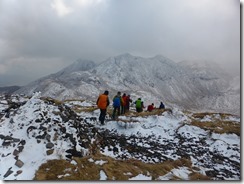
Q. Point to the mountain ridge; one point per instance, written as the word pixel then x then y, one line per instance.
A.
pixel 154 79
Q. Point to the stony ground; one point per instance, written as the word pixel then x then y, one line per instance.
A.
pixel 60 122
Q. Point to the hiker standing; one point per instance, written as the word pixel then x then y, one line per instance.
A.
pixel 123 104
pixel 116 104
pixel 103 103
pixel 127 103
pixel 161 106
pixel 139 105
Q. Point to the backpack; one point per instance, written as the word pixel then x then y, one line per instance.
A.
pixel 138 104
pixel 116 101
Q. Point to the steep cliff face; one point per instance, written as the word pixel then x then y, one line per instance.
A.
pixel 184 85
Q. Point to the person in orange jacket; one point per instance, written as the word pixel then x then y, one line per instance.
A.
pixel 102 104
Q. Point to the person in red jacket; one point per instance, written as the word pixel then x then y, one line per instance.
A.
pixel 127 103
pixel 102 104
pixel 150 107
pixel 123 104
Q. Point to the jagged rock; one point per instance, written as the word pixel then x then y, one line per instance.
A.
pixel 19 163
pixel 49 145
pixel 115 150
pixel 48 137
pixel 22 142
pixel 49 152
pixel 6 155
pixel 38 121
pixel 41 136
pixel 16 140
pixel 30 128
pixel 11 121
pixel 9 172
pixel 16 152
pixel 18 172
pixel 6 143
pixel 73 153
pixel 20 148
pixel 8 138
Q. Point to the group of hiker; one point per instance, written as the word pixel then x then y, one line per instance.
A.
pixel 121 105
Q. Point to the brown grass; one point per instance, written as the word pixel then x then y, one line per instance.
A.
pixel 219 127
pixel 201 115
pixel 76 100
pixel 49 99
pixel 197 176
pixel 79 109
pixel 114 169
pixel 146 113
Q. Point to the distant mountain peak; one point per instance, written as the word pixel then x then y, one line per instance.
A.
pixel 79 65
pixel 157 78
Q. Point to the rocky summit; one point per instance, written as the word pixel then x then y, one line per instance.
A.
pixel 184 85
pixel 46 139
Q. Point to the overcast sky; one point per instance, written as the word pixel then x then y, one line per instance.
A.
pixel 40 37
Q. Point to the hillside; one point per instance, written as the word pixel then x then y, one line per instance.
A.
pixel 46 139
pixel 183 85
pixel 9 89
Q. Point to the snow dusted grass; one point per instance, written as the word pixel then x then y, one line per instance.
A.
pixel 146 113
pixel 220 123
pixel 49 99
pixel 221 132
pixel 90 167
pixel 79 109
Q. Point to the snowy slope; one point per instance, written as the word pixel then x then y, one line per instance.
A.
pixel 36 130
pixel 184 85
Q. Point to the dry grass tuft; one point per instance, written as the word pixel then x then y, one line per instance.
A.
pixel 146 113
pixel 49 99
pixel 219 127
pixel 87 169
pixel 201 115
pixel 197 176
pixel 79 109
pixel 52 169
pixel 74 100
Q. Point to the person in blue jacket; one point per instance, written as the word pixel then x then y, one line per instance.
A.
pixel 117 101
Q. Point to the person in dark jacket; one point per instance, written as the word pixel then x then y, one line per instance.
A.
pixel 103 103
pixel 161 106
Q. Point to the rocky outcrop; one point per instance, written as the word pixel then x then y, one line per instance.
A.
pixel 52 125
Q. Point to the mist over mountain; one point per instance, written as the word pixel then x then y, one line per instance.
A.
pixel 186 85
pixel 8 89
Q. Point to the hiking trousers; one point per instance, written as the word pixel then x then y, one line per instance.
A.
pixel 116 110
pixel 102 115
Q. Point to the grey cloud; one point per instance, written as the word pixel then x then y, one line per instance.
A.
pixel 178 29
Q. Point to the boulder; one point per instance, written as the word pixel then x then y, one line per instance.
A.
pixel 49 145
pixel 49 152
pixel 19 163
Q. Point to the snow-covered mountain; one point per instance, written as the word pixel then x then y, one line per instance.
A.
pixel 184 85
pixel 44 139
